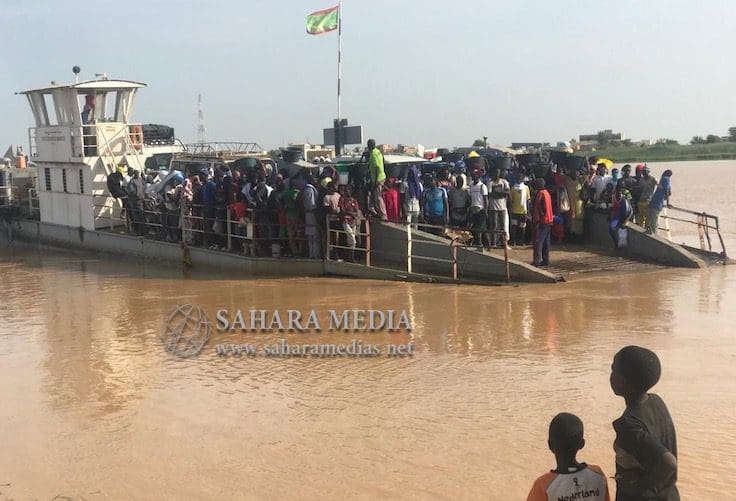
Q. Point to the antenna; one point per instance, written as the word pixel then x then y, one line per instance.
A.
pixel 201 129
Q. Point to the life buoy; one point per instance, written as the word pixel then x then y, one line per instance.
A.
pixel 136 136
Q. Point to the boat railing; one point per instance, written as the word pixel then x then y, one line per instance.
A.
pixel 704 223
pixel 22 203
pixel 258 229
pixel 412 260
pixel 34 207
pixel 257 234
pixel 337 233
pixel 89 140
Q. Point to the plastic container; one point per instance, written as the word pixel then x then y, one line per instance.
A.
pixel 558 157
pixel 574 162
pixel 540 169
pixel 502 163
pixel 528 158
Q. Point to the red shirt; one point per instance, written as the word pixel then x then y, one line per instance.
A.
pixel 542 211
pixel 348 208
pixel 391 200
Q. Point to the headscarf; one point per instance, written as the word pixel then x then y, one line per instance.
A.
pixel 414 182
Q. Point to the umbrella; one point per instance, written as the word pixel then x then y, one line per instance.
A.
pixel 608 163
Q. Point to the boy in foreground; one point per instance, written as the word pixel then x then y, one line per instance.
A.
pixel 570 480
pixel 645 445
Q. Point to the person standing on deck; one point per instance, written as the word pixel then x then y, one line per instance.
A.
pixel 435 207
pixel 378 177
pixel 136 196
pixel 479 209
pixel 645 189
pixel 350 213
pixel 414 189
pixel 459 201
pixel 331 203
pixel 458 171
pixel 621 213
pixel 574 217
pixel 660 199
pixel 520 197
pixel 599 182
pixel 311 227
pixel 542 219
pixel 208 200
pixel 498 192
pixel 391 201
pixel 290 202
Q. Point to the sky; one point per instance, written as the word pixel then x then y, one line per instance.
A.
pixel 440 74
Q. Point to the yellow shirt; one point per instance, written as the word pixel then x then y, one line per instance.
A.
pixel 375 163
pixel 520 195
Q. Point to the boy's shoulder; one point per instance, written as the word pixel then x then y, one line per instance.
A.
pixel 588 482
pixel 652 407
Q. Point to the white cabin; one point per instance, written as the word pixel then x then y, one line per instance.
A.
pixel 83 133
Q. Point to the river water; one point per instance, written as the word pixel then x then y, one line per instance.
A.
pixel 92 407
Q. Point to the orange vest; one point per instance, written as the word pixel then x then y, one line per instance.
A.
pixel 542 212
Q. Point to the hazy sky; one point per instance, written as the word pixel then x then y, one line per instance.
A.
pixel 433 72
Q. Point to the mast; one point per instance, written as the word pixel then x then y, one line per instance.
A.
pixel 339 55
pixel 201 130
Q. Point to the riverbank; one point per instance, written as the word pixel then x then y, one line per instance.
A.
pixel 669 152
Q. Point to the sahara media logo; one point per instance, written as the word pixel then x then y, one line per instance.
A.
pixel 186 330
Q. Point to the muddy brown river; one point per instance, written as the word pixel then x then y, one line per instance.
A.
pixel 92 407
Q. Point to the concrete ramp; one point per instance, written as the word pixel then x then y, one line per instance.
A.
pixel 641 246
pixel 432 255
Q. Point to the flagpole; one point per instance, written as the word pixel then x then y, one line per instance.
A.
pixel 339 61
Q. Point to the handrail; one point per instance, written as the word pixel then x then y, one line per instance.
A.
pixel 703 223
pixel 250 237
pixel 454 245
pixel 329 231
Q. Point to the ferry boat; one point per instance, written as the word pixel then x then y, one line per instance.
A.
pixel 84 133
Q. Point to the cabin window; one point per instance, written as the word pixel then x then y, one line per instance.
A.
pixel 63 179
pixel 47 178
pixel 48 102
pixel 81 181
pixel 88 105
pixel 60 104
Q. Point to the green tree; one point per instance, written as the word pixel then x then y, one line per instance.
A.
pixel 697 140
pixel 712 138
pixel 479 143
pixel 671 141
pixel 732 134
pixel 626 142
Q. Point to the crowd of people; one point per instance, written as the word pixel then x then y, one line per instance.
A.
pixel 263 209
pixel 500 202
pixel 519 205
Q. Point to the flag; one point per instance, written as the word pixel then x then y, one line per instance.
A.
pixel 323 21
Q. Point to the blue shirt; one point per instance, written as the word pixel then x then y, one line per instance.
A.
pixel 208 193
pixel 435 200
pixel 661 193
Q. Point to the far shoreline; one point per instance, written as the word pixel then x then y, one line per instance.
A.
pixel 668 153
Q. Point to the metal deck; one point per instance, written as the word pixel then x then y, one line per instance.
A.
pixel 570 261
